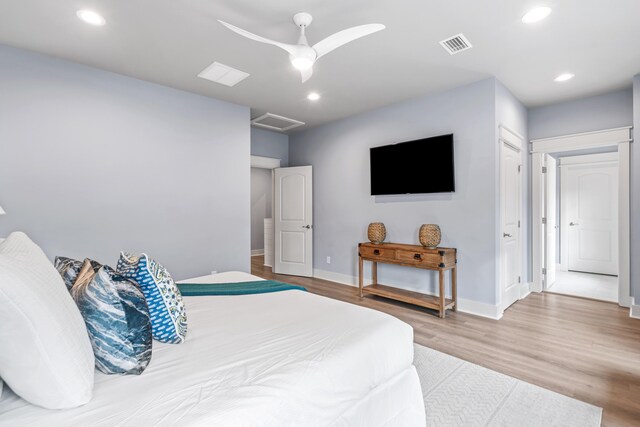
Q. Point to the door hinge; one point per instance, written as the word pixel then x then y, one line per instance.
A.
pixel 544 169
pixel 519 279
pixel 544 271
pixel 519 167
pixel 518 224
pixel 544 220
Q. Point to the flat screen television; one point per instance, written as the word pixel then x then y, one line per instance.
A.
pixel 414 167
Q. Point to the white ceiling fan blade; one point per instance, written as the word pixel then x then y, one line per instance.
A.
pixel 343 37
pixel 291 48
pixel 306 74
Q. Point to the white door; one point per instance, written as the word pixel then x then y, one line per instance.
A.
pixel 551 221
pixel 293 221
pixel 590 197
pixel 510 227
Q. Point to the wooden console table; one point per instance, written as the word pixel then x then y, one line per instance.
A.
pixel 439 259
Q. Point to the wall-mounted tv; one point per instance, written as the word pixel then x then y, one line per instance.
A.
pixel 413 167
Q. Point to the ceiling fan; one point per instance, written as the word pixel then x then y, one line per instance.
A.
pixel 303 56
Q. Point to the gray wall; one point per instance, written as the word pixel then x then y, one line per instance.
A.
pixel 635 193
pixel 343 206
pixel 606 111
pixel 270 144
pixel 92 163
pixel 260 204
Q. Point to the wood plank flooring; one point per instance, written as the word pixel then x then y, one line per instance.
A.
pixel 586 349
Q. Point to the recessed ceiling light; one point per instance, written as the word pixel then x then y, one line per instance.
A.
pixel 313 96
pixel 90 17
pixel 535 15
pixel 564 77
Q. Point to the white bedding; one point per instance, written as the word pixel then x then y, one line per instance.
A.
pixel 280 359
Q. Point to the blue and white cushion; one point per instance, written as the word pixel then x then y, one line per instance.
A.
pixel 166 308
pixel 117 318
pixel 69 269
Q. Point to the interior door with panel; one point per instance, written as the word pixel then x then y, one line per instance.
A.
pixel 551 221
pixel 510 224
pixel 590 197
pixel 293 221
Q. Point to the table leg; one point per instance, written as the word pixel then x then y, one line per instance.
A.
pixel 360 265
pixel 441 279
pixel 374 272
pixel 454 287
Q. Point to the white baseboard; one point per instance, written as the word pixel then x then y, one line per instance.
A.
pixel 464 305
pixel 345 279
pixel 479 308
pixel 257 252
pixel 634 311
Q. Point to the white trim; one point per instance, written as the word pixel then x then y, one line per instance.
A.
pixel 464 305
pixel 264 162
pixel 294 123
pixel 624 225
pixel 510 137
pixel 537 194
pixel 588 159
pixel 257 252
pixel 620 137
pixel 578 141
pixel 634 311
pixel 481 309
pixel 525 289
pixel 331 276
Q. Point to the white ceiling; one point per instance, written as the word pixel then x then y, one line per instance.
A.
pixel 169 42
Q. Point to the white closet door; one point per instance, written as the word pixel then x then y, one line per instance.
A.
pixel 510 227
pixel 590 194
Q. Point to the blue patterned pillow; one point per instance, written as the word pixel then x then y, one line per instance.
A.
pixel 69 269
pixel 117 318
pixel 168 315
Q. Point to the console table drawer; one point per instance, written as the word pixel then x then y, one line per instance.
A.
pixel 370 252
pixel 415 257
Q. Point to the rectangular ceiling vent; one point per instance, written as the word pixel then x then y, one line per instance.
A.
pixel 456 44
pixel 223 74
pixel 274 122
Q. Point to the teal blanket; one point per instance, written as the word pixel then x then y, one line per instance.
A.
pixel 240 288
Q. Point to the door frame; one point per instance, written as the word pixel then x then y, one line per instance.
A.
pixel 585 159
pixel 617 137
pixel 516 142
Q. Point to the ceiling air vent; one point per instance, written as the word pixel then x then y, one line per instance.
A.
pixel 456 44
pixel 223 74
pixel 274 122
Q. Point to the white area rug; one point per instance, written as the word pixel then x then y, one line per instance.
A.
pixel 458 393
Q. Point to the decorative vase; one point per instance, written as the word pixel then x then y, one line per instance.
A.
pixel 377 232
pixel 430 235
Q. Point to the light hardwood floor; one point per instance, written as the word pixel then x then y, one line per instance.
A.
pixel 586 349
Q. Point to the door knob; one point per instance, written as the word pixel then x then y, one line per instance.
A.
pixel 506 235
pixel 573 223
pixel 306 226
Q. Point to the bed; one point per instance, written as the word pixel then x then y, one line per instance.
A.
pixel 288 358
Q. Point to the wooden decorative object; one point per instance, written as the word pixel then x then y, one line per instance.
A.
pixel 377 232
pixel 430 235
pixel 440 260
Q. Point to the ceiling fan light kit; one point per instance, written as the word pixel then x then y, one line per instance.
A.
pixel 303 56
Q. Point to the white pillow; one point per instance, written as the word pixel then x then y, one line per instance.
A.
pixel 45 353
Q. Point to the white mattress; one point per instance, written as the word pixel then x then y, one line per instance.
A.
pixel 280 359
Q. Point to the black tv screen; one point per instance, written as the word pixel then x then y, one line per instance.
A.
pixel 413 167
